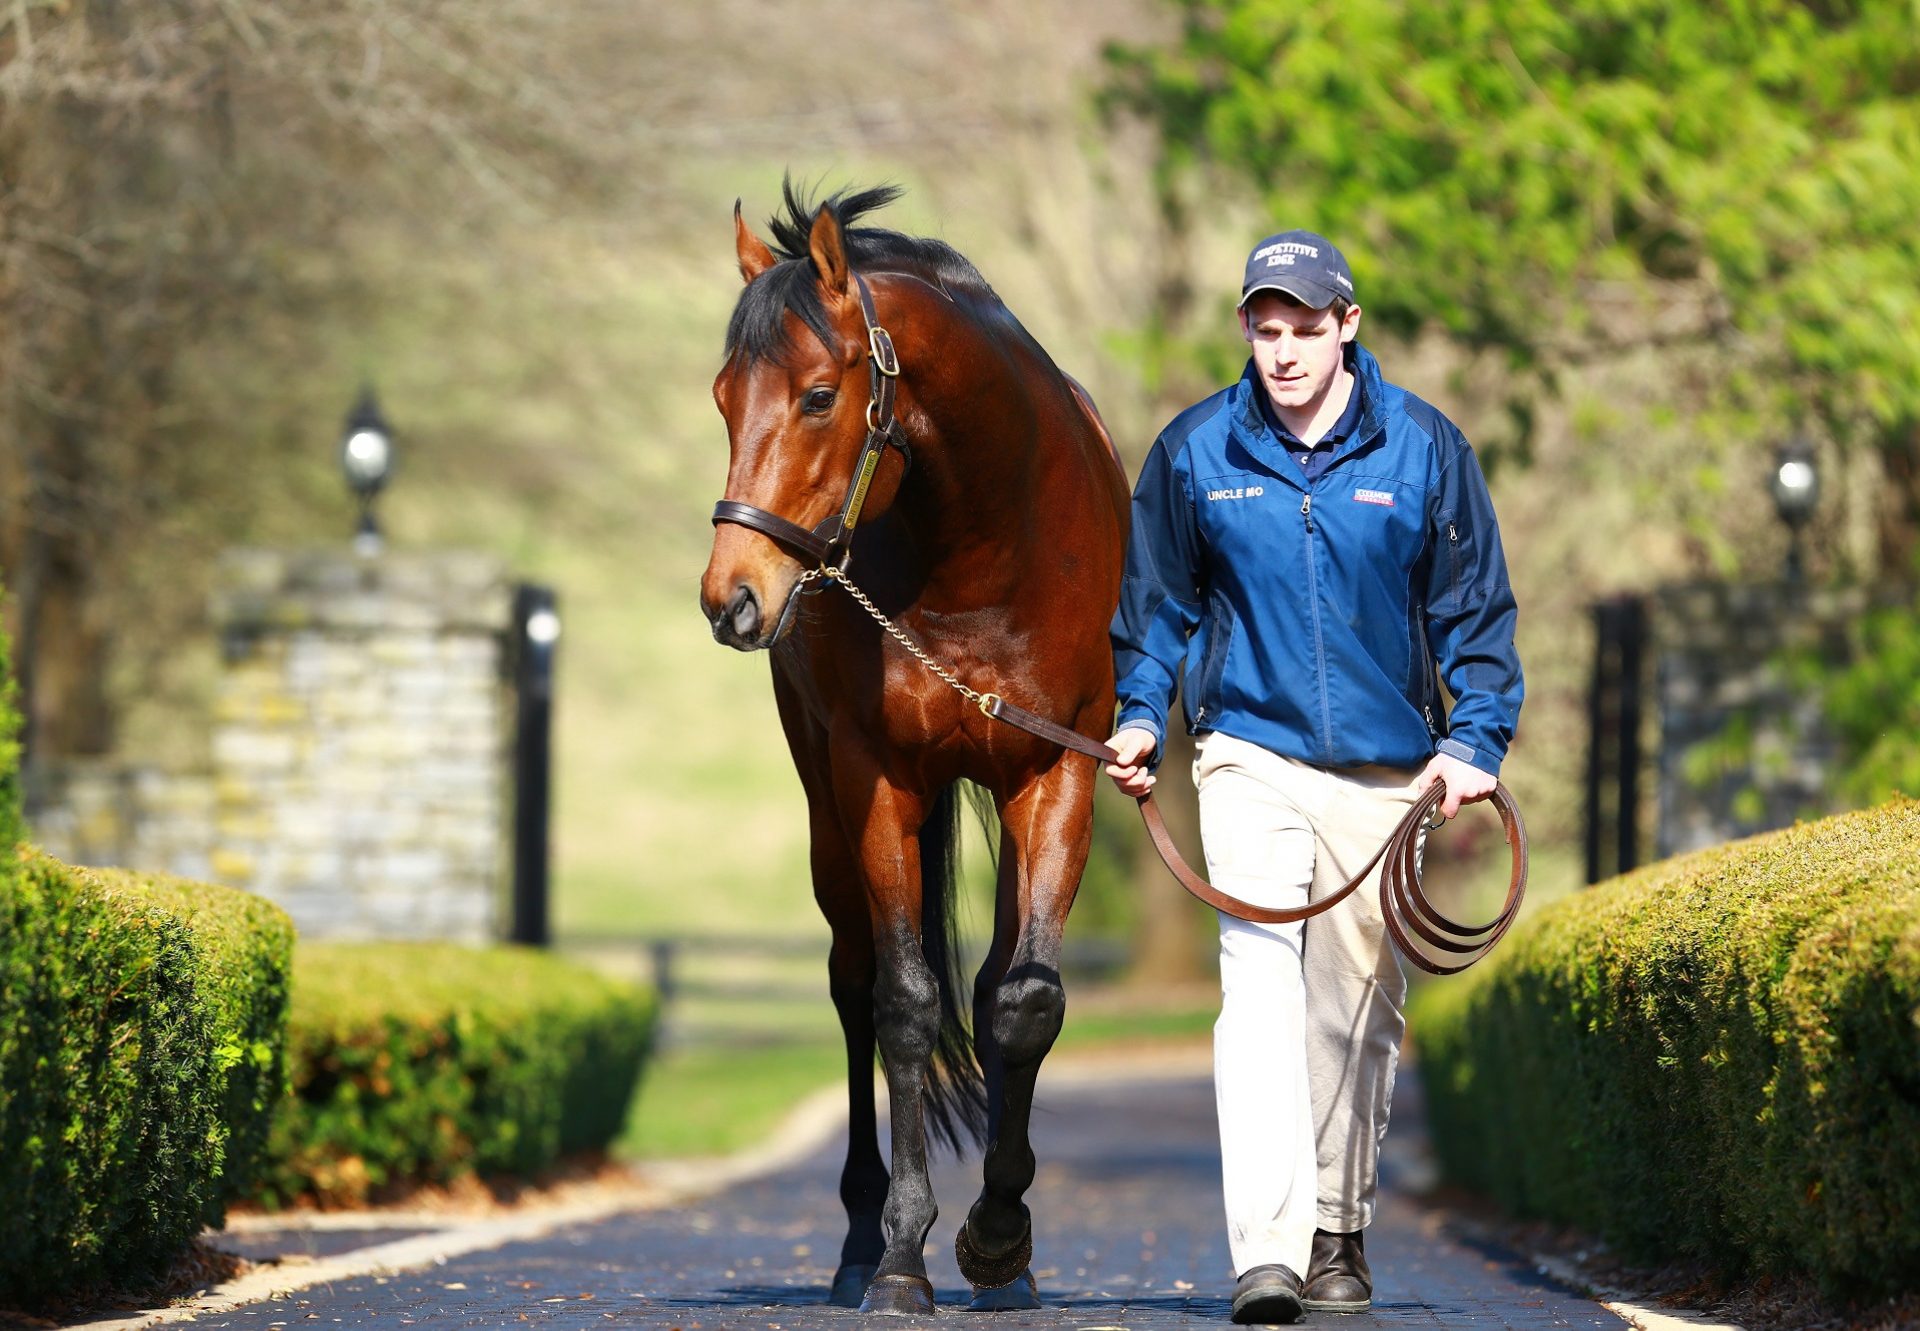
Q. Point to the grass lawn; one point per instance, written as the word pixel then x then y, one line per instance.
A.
pixel 696 1102
pixel 712 1101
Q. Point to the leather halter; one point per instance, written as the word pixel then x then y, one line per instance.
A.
pixel 830 545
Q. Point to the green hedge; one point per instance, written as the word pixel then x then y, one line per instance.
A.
pixel 1716 1057
pixel 141 1021
pixel 421 1063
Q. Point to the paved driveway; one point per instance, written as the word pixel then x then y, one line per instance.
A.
pixel 1128 1233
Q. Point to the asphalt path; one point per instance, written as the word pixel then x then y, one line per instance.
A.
pixel 1128 1233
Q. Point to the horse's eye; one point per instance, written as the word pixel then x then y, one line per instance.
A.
pixel 817 402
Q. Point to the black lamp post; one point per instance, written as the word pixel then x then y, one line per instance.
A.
pixel 366 455
pixel 538 620
pixel 1796 490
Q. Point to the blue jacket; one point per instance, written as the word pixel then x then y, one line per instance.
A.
pixel 1307 617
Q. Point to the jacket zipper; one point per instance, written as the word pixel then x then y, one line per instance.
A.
pixel 1319 642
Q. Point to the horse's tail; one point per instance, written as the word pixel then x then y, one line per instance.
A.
pixel 956 1090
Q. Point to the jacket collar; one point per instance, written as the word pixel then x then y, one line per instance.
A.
pixel 1250 423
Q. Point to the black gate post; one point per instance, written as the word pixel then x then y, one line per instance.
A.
pixel 536 627
pixel 1632 645
pixel 1599 691
pixel 1613 736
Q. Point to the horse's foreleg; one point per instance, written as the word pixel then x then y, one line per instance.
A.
pixel 850 972
pixel 1048 829
pixel 839 888
pixel 906 1025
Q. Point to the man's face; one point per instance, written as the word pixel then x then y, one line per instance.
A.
pixel 1296 350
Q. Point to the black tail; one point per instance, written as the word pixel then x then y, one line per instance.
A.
pixel 956 1091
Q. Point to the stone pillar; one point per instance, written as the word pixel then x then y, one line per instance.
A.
pixel 360 740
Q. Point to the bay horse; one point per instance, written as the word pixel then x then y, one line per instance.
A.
pixel 887 415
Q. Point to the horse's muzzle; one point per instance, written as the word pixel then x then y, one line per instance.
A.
pixel 739 622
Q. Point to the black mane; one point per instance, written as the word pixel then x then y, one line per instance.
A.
pixel 758 328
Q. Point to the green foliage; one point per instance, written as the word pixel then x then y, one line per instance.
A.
pixel 1713 1057
pixel 1858 684
pixel 1545 178
pixel 422 1063
pixel 141 1023
pixel 1873 706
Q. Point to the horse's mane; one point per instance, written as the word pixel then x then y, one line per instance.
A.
pixel 758 328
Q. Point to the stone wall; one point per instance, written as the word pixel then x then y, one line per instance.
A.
pixel 360 744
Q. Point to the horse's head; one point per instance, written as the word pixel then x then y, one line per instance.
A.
pixel 794 391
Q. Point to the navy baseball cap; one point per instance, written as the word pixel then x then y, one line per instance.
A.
pixel 1304 265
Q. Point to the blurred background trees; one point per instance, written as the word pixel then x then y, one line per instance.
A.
pixel 1628 247
pixel 179 173
pixel 1560 184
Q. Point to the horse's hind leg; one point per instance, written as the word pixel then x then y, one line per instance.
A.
pixel 1048 827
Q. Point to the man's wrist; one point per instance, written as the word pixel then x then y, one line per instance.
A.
pixel 1141 721
pixel 1472 757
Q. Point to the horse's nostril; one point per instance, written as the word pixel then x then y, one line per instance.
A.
pixel 744 611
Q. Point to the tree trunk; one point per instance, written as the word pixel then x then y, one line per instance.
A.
pixel 1899 512
pixel 1175 936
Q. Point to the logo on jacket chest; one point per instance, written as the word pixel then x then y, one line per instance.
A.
pixel 1236 492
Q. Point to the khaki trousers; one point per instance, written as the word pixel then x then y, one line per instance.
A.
pixel 1310 1014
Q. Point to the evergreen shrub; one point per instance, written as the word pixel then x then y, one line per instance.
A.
pixel 425 1062
pixel 1714 1057
pixel 141 1021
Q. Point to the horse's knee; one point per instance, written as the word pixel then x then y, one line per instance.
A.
pixel 906 1011
pixel 1028 1014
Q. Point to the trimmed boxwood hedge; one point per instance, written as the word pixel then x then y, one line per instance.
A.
pixel 424 1062
pixel 1715 1057
pixel 141 1020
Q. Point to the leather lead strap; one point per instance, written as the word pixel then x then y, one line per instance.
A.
pixel 1403 900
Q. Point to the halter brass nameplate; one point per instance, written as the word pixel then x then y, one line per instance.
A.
pixel 859 499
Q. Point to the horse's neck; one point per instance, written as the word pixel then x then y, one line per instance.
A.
pixel 989 497
pixel 970 525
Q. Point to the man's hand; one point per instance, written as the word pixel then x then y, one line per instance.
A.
pixel 1134 745
pixel 1465 782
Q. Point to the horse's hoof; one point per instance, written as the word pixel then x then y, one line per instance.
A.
pixel 898 1295
pixel 1022 1293
pixel 850 1286
pixel 992 1270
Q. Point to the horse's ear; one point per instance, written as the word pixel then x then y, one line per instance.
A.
pixel 829 247
pixel 755 257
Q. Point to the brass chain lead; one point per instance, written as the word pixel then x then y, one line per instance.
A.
pixel 981 700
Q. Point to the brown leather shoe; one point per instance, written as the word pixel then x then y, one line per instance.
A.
pixel 1267 1294
pixel 1338 1280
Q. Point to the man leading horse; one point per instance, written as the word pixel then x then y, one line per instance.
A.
pixel 1306 545
pixel 977 493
